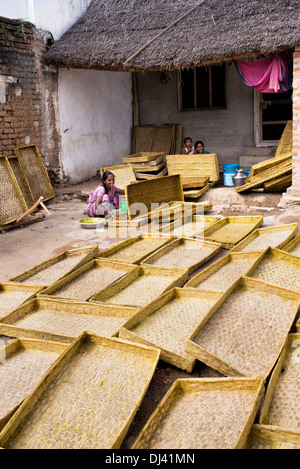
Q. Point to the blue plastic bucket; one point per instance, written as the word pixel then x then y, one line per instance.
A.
pixel 228 172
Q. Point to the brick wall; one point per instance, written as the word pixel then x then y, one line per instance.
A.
pixel 28 94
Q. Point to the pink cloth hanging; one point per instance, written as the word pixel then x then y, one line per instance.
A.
pixel 268 75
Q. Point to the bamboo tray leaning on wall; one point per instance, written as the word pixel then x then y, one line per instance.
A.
pixel 278 268
pixel 14 295
pixel 223 273
pixel 88 279
pixel 229 231
pixel 24 364
pixel 281 406
pixel 167 322
pixel 18 171
pixel 134 250
pixel 56 267
pixel 89 396
pixel 183 253
pixel 203 414
pixel 293 247
pixel 12 202
pixel 141 286
pixel 244 335
pixel 273 236
pixel 63 320
pixel 267 437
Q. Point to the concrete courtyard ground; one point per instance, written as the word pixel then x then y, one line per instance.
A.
pixel 25 247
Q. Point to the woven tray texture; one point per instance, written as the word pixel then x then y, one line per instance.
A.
pixel 143 157
pixel 194 165
pixel 293 247
pixel 156 191
pixel 244 335
pixel 163 139
pixel 134 250
pixel 281 406
pixel 55 268
pixel 167 322
pixel 195 193
pixel 285 144
pixel 184 417
pixel 12 202
pixel 90 397
pixel 123 221
pixel 153 175
pixel 88 279
pixel 35 172
pixel 16 166
pixel 188 227
pixel 63 320
pixel 193 182
pixel 229 231
pixel 25 363
pixel 142 138
pixel 267 437
pixel 273 236
pixel 183 253
pixel 277 268
pixel 222 274
pixel 124 174
pixel 148 167
pixel 278 184
pixel 141 286
pixel 13 295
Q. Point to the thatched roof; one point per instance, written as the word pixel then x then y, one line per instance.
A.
pixel 111 31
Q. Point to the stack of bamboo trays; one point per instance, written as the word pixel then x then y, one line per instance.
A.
pixel 147 165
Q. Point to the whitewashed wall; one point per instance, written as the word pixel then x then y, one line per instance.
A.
pixel 95 120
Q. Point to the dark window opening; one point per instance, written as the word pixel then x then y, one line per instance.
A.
pixel 276 111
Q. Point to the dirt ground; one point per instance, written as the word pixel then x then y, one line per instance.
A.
pixel 25 247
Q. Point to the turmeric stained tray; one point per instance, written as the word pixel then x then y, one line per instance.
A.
pixel 203 414
pixel 230 230
pixel 141 286
pixel 88 279
pixel 89 397
pixel 167 322
pixel 273 236
pixel 63 320
pixel 25 363
pixel 13 295
pixel 55 268
pixel 183 253
pixel 244 335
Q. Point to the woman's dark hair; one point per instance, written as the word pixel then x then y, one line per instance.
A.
pixel 197 143
pixel 104 177
pixel 186 138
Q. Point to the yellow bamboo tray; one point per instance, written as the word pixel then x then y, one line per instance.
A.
pixel 194 165
pixel 134 250
pixel 88 279
pixel 151 175
pixel 222 274
pixel 273 236
pixel 277 268
pixel 281 406
pixel 195 193
pixel 286 140
pixel 123 221
pixel 18 171
pixel 148 167
pixel 203 414
pixel 279 184
pixel 12 202
pixel 87 399
pixel 293 247
pixel 193 182
pixel 63 320
pixel 56 267
pixel 280 169
pixel 145 193
pixel 35 172
pixel 124 174
pixel 141 286
pixel 142 138
pixel 183 253
pixel 268 165
pixel 163 139
pixel 167 322
pixel 244 335
pixel 151 158
pixel 267 437
pixel 229 231
pixel 25 362
pixel 13 295
pixel 167 212
pixel 189 226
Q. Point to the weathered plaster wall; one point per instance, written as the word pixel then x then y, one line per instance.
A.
pixel 95 119
pixel 228 132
